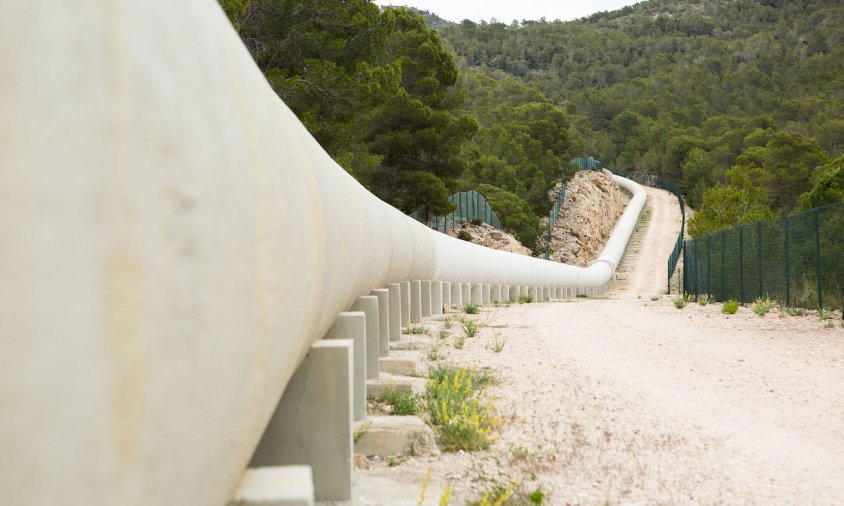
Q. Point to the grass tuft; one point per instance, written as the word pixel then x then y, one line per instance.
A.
pixel 730 307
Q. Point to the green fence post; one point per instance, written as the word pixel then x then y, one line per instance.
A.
pixel 787 261
pixel 723 263
pixel 818 257
pixel 759 247
pixel 709 265
pixel 741 265
pixel 697 274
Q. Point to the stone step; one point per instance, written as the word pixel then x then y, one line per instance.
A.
pixel 396 435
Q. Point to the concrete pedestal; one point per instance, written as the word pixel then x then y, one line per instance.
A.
pixel 369 305
pixel 395 312
pixel 436 298
pixel 534 293
pixel 486 288
pixel 352 325
pixel 383 320
pixel 426 298
pixel 446 295
pixel 457 294
pixel 467 294
pixel 505 293
pixel 405 304
pixel 516 292
pixel 477 296
pixel 415 301
pixel 312 424
pixel 496 293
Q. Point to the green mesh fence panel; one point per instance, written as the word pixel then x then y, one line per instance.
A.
pixel 587 163
pixel 796 259
pixel 471 205
pixel 671 186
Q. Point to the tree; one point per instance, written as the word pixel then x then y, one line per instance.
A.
pixel 828 188
pixel 731 205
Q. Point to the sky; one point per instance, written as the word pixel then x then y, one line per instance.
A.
pixel 508 10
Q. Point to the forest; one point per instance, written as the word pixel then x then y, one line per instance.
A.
pixel 739 101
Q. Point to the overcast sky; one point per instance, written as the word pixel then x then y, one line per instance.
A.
pixel 508 10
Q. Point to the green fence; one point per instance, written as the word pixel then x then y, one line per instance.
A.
pixel 671 186
pixel 471 205
pixel 796 259
pixel 586 163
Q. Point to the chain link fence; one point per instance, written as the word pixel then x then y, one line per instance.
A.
pixel 471 205
pixel 797 260
pixel 674 188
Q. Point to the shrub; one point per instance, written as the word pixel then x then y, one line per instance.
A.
pixel 461 420
pixel 464 236
pixel 459 341
pixel 762 306
pixel 403 403
pixel 730 307
pixel 471 328
pixel 476 221
pixel 680 302
pixel 496 344
pixel 471 309
pixel 525 299
pixel 703 300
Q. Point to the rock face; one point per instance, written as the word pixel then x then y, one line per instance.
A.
pixel 486 235
pixel 592 206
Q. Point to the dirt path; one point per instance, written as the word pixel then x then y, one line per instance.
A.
pixel 636 402
pixel 647 273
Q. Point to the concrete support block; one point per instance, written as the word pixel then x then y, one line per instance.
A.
pixel 395 311
pixel 534 293
pixel 436 298
pixel 383 320
pixel 405 304
pixel 397 435
pixel 275 486
pixel 457 294
pixel 426 299
pixel 467 294
pixel 312 424
pixel 416 301
pixel 505 293
pixel 486 293
pixel 352 325
pixel 477 296
pixel 369 305
pixel 496 294
pixel 516 292
pixel 447 294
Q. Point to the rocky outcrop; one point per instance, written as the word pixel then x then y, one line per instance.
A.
pixel 486 235
pixel 591 208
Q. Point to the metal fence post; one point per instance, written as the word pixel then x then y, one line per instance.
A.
pixel 709 265
pixel 787 260
pixel 818 257
pixel 723 263
pixel 741 264
pixel 759 247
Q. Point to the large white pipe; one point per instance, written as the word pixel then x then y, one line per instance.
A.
pixel 173 240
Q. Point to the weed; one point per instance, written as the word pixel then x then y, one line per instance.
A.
pixel 703 300
pixel 497 343
pixel 471 328
pixel 461 420
pixel 417 329
pixel 654 298
pixel 829 325
pixel 730 307
pixel 434 354
pixel 471 309
pixel 403 403
pixel 519 453
pixel 447 323
pixel 761 307
pixel 823 314
pixel 444 334
pixel 537 497
pixel 459 341
pixel 464 236
pixel 495 496
pixel 392 461
pixel 680 302
pixel 525 299
pixel 476 221
pixel 362 430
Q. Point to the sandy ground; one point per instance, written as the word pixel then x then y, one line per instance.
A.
pixel 637 402
pixel 649 274
pixel 631 401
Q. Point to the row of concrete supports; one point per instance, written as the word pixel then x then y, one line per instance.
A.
pixel 310 435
